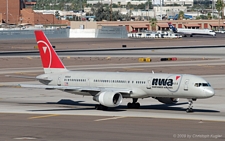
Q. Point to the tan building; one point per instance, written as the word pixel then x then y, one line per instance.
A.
pixel 145 25
pixel 83 25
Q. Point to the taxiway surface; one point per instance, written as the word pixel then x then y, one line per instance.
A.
pixel 43 115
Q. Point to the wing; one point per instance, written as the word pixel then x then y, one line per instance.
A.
pixel 78 89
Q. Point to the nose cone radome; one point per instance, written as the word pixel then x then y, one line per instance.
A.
pixel 209 92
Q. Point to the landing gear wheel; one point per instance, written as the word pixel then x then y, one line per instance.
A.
pixel 190 106
pixel 101 107
pixel 189 110
pixel 137 105
pixel 134 104
pixel 129 105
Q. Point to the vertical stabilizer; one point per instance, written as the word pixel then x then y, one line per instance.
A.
pixel 50 60
pixel 172 28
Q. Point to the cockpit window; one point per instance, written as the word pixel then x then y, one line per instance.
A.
pixel 202 85
pixel 206 84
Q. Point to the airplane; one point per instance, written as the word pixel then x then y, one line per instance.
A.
pixel 190 32
pixel 109 88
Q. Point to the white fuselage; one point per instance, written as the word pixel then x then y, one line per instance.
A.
pixel 196 31
pixel 142 85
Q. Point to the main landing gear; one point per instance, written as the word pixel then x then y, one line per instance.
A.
pixel 190 106
pixel 100 107
pixel 134 104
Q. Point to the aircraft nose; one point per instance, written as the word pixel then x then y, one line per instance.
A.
pixel 209 92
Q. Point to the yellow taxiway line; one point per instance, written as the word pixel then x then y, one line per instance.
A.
pixel 103 119
pixel 44 116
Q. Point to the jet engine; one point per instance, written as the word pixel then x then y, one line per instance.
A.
pixel 108 98
pixel 166 100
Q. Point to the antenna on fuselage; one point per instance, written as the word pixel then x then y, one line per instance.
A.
pixel 153 72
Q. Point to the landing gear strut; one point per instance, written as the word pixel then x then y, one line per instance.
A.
pixel 190 106
pixel 100 107
pixel 134 104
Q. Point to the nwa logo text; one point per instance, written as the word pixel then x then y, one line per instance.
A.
pixel 162 82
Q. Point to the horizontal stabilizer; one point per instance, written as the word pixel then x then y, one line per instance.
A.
pixel 20 76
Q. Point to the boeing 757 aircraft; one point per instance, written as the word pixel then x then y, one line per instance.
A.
pixel 109 88
pixel 191 32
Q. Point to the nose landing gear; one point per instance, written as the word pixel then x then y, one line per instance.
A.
pixel 190 106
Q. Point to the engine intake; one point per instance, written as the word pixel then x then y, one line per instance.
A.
pixel 109 98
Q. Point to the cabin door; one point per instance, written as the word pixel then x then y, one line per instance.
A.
pixel 149 83
pixel 88 81
pixel 186 84
pixel 59 81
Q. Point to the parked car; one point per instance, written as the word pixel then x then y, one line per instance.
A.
pixel 220 31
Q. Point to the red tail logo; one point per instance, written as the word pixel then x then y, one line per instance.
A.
pixel 49 57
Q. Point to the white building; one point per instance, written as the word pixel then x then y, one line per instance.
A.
pixel 171 2
pixel 122 2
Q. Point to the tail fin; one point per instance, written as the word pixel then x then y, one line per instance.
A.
pixel 50 60
pixel 172 28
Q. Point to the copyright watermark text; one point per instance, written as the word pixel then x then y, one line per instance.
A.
pixel 194 136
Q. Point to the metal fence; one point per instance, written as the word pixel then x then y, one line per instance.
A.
pixel 111 32
pixel 104 32
pixel 29 34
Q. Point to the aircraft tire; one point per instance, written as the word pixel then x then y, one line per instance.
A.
pixel 129 105
pixel 189 110
pixel 133 105
pixel 101 107
pixel 137 105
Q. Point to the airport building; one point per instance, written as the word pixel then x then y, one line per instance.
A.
pixel 10 11
pixel 135 26
pixel 14 12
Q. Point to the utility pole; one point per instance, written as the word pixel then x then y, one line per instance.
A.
pixel 7 11
pixel 111 11
pixel 80 10
pixel 161 9
pixel 212 9
pixel 148 10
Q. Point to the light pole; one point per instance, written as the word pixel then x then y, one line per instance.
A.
pixel 212 9
pixel 111 11
pixel 161 9
pixel 7 11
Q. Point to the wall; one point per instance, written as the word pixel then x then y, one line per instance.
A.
pixel 13 11
pixel 27 16
pixel 103 32
pixel 0 18
pixel 112 32
pixel 82 33
pixel 29 34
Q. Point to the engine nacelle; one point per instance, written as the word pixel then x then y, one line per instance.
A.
pixel 108 98
pixel 166 100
